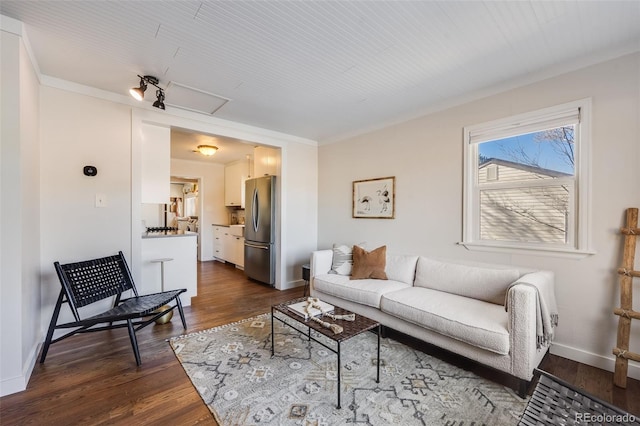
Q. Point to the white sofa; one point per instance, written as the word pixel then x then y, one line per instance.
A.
pixel 456 306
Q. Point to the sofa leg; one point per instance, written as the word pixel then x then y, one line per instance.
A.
pixel 523 387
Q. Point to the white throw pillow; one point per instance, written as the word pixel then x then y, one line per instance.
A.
pixel 343 259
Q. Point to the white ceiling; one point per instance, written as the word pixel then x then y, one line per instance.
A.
pixel 324 70
pixel 185 142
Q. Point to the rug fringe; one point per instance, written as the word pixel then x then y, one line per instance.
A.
pixel 216 328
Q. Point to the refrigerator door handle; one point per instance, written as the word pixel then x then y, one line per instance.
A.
pixel 256 246
pixel 256 210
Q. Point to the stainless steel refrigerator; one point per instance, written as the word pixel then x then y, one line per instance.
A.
pixel 260 229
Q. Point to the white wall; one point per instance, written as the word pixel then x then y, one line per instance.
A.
pixel 77 131
pixel 300 216
pixel 29 205
pixel 20 302
pixel 425 155
pixel 210 196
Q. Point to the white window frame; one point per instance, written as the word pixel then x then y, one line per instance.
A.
pixel 579 229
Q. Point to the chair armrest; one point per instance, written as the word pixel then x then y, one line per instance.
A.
pixel 321 261
pixel 521 308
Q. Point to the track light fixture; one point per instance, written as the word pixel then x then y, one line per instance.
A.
pixel 159 103
pixel 138 92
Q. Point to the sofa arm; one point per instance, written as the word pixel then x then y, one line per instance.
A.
pixel 321 261
pixel 521 308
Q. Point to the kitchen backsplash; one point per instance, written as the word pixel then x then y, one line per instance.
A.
pixel 237 217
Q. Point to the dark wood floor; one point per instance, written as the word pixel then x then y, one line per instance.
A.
pixel 92 379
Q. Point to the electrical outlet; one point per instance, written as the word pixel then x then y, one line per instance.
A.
pixel 101 200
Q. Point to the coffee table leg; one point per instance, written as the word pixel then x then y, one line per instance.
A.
pixel 378 373
pixel 272 348
pixel 339 375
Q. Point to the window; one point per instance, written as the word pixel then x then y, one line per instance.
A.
pixel 527 181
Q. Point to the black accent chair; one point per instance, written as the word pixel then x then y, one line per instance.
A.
pixel 84 283
pixel 556 402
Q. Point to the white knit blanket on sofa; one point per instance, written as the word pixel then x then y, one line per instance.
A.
pixel 546 308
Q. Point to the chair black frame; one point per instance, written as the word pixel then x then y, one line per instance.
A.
pixel 84 283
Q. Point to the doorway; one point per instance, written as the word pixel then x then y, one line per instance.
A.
pixel 210 173
pixel 185 207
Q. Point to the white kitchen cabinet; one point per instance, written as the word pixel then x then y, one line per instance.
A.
pixel 234 176
pixel 219 251
pixel 236 251
pixel 228 247
pixel 155 167
pixel 266 161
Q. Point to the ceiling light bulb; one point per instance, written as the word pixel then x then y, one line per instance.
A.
pixel 207 150
pixel 138 92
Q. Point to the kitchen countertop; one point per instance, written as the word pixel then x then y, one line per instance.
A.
pixel 165 234
pixel 218 224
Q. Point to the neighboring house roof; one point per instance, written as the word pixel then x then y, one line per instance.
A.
pixel 524 167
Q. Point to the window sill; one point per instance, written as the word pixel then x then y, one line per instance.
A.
pixel 563 252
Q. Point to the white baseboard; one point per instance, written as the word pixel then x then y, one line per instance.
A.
pixel 292 284
pixel 599 361
pixel 13 385
pixel 19 383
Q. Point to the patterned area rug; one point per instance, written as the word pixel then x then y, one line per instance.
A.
pixel 232 369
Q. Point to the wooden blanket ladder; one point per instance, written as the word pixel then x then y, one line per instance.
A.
pixel 625 312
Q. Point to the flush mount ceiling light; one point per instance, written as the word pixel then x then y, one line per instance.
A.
pixel 138 92
pixel 207 150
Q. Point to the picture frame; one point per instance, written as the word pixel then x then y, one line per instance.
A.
pixel 374 198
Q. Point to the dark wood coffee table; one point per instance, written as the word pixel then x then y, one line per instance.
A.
pixel 351 329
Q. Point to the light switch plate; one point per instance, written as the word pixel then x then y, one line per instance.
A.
pixel 101 200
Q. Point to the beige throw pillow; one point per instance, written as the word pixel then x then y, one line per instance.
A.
pixel 369 264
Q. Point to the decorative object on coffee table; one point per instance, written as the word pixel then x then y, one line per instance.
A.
pixel 308 307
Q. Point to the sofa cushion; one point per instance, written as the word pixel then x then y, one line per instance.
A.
pixel 487 284
pixel 401 267
pixel 369 264
pixel 366 292
pixel 472 321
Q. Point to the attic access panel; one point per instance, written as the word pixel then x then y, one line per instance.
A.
pixel 192 99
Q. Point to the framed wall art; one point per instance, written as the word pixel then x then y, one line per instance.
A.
pixel 374 198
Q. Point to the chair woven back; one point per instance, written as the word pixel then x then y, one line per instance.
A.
pixel 92 280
